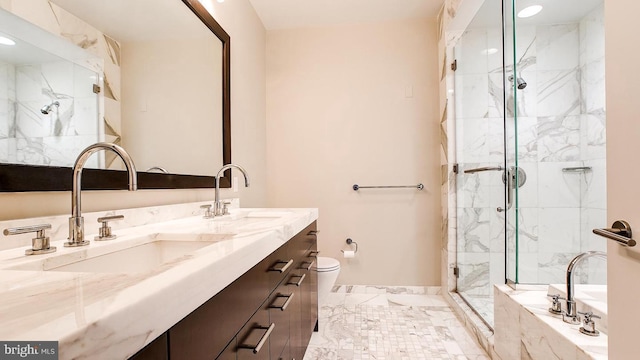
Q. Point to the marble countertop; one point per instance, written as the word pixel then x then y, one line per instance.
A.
pixel 113 315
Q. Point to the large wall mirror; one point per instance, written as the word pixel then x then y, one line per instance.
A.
pixel 150 75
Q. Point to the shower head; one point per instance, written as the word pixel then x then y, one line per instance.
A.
pixel 47 108
pixel 520 83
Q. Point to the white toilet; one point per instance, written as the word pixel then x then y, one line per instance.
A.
pixel 328 270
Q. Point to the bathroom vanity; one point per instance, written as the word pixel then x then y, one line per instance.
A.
pixel 243 288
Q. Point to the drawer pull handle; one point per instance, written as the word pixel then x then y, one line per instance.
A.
pixel 284 268
pixel 286 303
pixel 263 339
pixel 299 281
pixel 314 253
pixel 308 267
pixel 313 232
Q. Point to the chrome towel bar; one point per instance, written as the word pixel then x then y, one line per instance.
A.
pixel 356 187
pixel 620 232
pixel 577 169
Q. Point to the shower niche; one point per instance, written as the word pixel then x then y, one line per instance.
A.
pixel 50 99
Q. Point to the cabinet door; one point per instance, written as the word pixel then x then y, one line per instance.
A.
pixel 253 338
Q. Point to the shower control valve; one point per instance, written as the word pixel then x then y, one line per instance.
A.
pixel 556 305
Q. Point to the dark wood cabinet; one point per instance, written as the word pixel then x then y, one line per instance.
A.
pixel 280 308
pixel 229 353
pixel 253 338
pixel 156 350
pixel 274 305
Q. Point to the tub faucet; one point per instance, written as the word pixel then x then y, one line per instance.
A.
pixel 218 206
pixel 571 315
pixel 76 221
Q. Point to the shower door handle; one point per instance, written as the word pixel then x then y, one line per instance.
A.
pixel 509 183
pixel 485 168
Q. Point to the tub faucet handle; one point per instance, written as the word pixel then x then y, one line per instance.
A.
pixel 556 305
pixel 589 327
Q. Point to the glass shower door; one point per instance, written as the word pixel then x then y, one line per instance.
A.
pixel 480 154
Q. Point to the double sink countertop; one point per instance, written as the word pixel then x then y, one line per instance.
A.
pixel 111 298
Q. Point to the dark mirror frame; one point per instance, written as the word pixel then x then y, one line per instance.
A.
pixel 21 178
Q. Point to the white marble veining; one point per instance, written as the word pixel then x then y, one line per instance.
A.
pixel 526 330
pixel 113 315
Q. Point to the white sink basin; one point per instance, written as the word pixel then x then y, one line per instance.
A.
pixel 268 214
pixel 138 255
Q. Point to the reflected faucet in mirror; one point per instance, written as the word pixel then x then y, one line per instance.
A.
pixel 158 168
pixel 76 221
pixel 219 207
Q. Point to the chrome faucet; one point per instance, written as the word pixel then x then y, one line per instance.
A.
pixel 76 221
pixel 571 315
pixel 218 206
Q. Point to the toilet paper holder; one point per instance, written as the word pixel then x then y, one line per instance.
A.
pixel 351 242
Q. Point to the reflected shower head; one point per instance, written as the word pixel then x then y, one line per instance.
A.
pixel 47 108
pixel 520 83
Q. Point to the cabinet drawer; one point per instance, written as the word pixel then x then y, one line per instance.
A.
pixel 254 337
pixel 205 332
pixel 280 308
pixel 280 263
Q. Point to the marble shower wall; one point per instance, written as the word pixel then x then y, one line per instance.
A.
pixel 54 139
pixel 560 124
pixel 479 143
pixel 106 50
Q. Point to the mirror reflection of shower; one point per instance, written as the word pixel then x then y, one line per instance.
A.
pixel 47 108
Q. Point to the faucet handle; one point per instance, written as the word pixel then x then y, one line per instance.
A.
pixel 225 208
pixel 589 315
pixel 40 244
pixel 589 327
pixel 556 306
pixel 104 233
pixel 207 214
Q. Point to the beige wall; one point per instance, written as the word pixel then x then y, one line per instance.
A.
pixel 623 145
pixel 359 104
pixel 248 132
pixel 180 110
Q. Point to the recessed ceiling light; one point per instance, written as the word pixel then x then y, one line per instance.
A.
pixel 489 51
pixel 529 11
pixel 220 1
pixel 6 41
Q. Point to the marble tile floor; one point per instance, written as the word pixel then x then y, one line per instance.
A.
pixel 390 323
